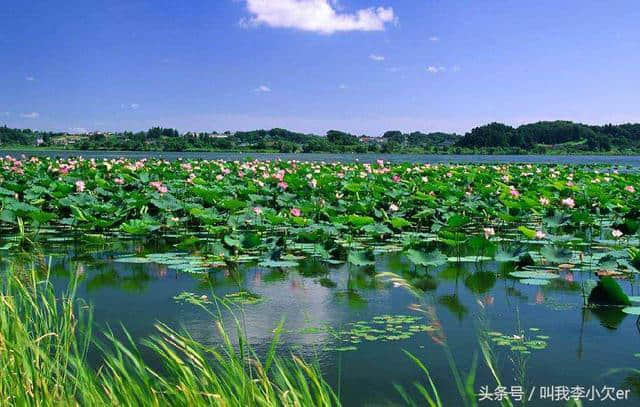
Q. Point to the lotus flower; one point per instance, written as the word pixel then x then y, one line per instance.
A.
pixel 569 202
pixel 488 232
pixel 80 186
pixel 159 187
pixel 295 212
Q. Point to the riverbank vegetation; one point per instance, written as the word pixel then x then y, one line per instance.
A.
pixel 556 137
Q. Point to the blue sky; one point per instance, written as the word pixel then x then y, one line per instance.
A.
pixel 363 66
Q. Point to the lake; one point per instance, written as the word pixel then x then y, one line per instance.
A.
pixel 317 302
pixel 362 262
pixel 623 160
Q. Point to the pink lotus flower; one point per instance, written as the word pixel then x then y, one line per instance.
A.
pixel 616 233
pixel 80 186
pixel 395 178
pixel 159 187
pixel 283 185
pixel 380 162
pixel 257 210
pixel 313 183
pixel 119 181
pixel 630 188
pixel 544 201
pixel 514 192
pixel 488 232
pixel 540 234
pixel 569 202
pixel 394 208
pixel 295 212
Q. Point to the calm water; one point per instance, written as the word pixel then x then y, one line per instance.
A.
pixel 419 158
pixel 583 345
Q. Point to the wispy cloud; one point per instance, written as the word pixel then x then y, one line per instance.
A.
pixel 78 130
pixel 376 58
pixel 134 106
pixel 262 89
pixel 436 69
pixel 29 78
pixel 433 38
pixel 320 16
pixel 30 115
pixel 397 69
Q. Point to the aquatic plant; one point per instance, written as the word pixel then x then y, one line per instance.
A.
pixel 231 212
pixel 45 341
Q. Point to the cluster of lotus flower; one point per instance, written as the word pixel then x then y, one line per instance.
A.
pixel 356 194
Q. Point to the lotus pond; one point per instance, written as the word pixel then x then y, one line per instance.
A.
pixel 526 271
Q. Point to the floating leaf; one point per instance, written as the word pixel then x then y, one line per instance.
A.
pixel 534 281
pixel 431 259
pixel 533 274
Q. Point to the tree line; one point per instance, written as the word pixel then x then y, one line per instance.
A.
pixel 494 138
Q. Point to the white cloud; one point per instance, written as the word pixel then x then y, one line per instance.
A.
pixel 397 69
pixel 434 38
pixel 376 58
pixel 78 130
pixel 319 16
pixel 31 115
pixel 134 106
pixel 436 69
pixel 342 86
pixel 29 78
pixel 262 89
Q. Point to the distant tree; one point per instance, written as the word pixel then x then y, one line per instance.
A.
pixel 341 138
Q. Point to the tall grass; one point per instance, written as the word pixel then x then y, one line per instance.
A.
pixel 44 343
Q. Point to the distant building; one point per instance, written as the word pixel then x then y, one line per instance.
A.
pixel 368 139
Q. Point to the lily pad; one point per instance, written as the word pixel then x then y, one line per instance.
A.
pixel 133 260
pixel 631 310
pixel 534 281
pixel 533 275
